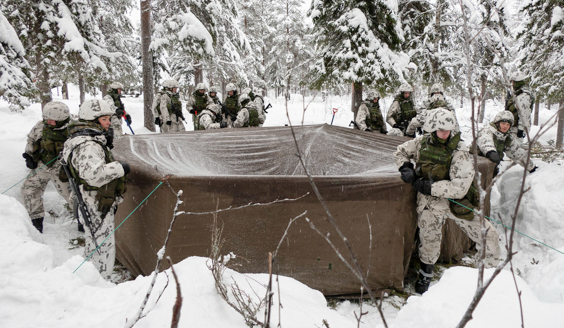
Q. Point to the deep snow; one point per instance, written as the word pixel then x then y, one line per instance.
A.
pixel 38 287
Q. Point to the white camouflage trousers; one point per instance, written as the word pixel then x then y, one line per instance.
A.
pixel 104 258
pixel 430 222
pixel 174 126
pixel 34 187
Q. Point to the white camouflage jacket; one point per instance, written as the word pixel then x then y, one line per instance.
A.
pixel 514 151
pixel 523 105
pixel 243 116
pixel 461 174
pixel 207 119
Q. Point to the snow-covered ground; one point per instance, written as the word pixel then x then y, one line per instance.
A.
pixel 39 289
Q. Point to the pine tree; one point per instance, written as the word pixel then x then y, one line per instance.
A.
pixel 15 84
pixel 358 42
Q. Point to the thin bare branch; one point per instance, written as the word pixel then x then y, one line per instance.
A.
pixel 178 303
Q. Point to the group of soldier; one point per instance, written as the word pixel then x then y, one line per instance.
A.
pixel 437 163
pixel 238 110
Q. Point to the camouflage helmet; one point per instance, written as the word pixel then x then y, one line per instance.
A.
pixel 230 87
pixel 517 76
pixel 437 88
pixel 170 84
pixel 214 89
pixel 244 99
pixel 116 85
pixel 504 116
pixel 440 119
pixel 405 88
pixel 371 94
pixel 92 109
pixel 55 110
pixel 202 86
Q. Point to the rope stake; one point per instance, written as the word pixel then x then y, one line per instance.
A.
pixel 519 232
pixel 102 243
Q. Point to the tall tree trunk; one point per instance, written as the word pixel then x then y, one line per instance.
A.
pixel 223 84
pixel 65 90
pixel 104 89
pixel 198 73
pixel 147 58
pixel 356 98
pixel 43 81
pixel 549 104
pixel 483 96
pixel 560 130
pixel 536 117
pixel 81 91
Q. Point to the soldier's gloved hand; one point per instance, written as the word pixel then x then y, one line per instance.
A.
pixel 128 119
pixel 126 167
pixel 396 126
pixel 420 130
pixel 423 186
pixel 533 169
pixel 493 156
pixel 192 111
pixel 120 112
pixel 158 121
pixel 222 125
pixel 168 122
pixel 520 133
pixel 233 117
pixel 29 162
pixel 407 172
pixel 368 129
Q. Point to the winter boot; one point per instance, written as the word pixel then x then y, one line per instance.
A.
pixel 38 224
pixel 424 279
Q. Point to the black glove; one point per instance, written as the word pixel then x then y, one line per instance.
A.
pixel 109 134
pixel 423 186
pixel 520 133
pixel 368 129
pixel 192 111
pixel 126 167
pixel 493 156
pixel 128 119
pixel 233 118
pixel 29 162
pixel 158 121
pixel 420 130
pixel 407 172
pixel 120 112
pixel 396 126
pixel 222 125
pixel 533 169
pixel 168 122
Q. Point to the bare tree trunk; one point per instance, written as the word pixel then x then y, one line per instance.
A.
pixel 223 84
pixel 198 74
pixel 43 81
pixel 356 97
pixel 549 104
pixel 104 89
pixel 65 90
pixel 560 130
pixel 536 116
pixel 483 96
pixel 82 93
pixel 147 64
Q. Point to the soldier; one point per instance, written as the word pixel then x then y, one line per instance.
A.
pixel 494 140
pixel 167 108
pixel 258 103
pixel 249 115
pixel 520 104
pixel 443 170
pixel 210 118
pixel 231 104
pixel 213 94
pixel 436 100
pixel 401 112
pixel 198 102
pixel 114 99
pixel 369 116
pixel 101 179
pixel 44 143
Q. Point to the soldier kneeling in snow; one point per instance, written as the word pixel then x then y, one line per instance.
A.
pixel 443 170
pixel 101 180
pixel 248 115
pixel 495 139
pixel 210 118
